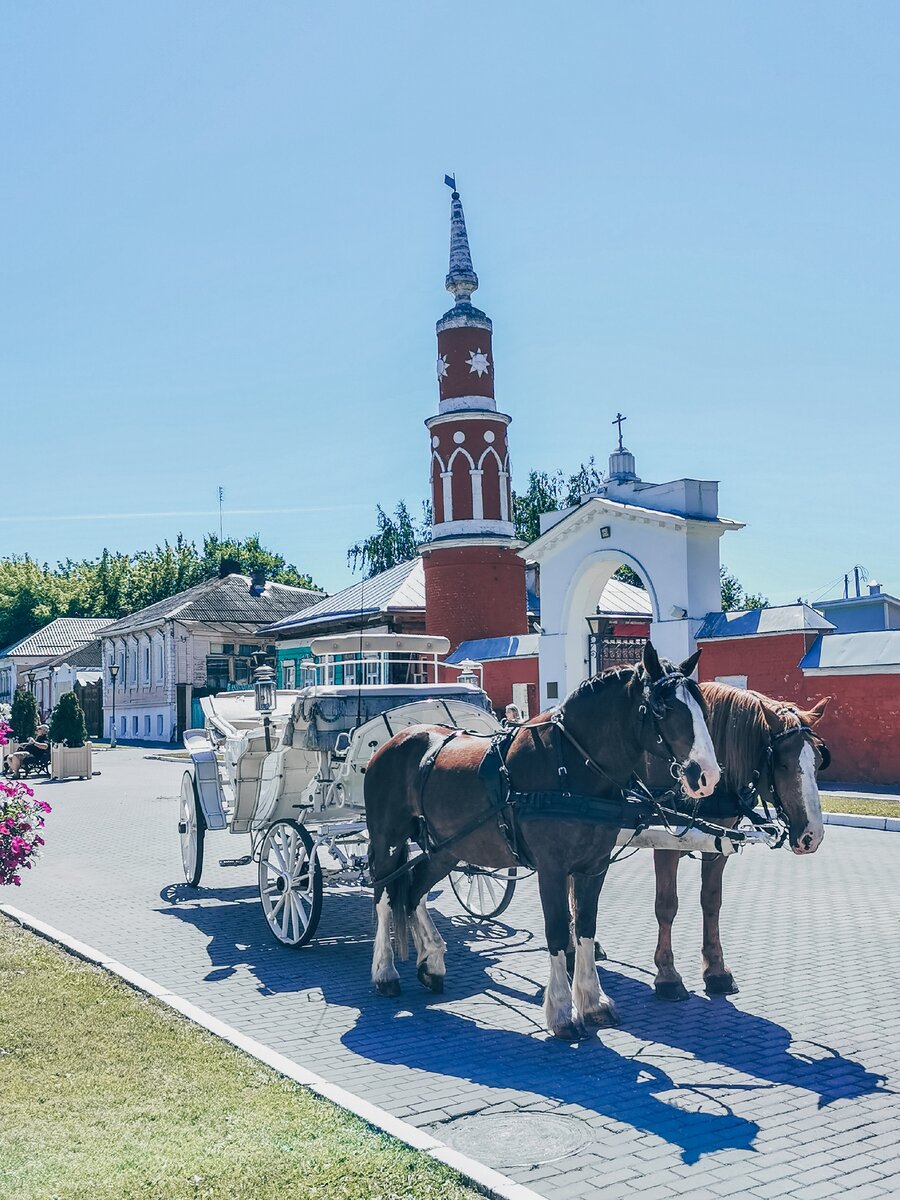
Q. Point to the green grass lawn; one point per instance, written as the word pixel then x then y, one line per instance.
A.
pixel 108 1095
pixel 833 802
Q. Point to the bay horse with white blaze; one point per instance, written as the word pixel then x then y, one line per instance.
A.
pixel 551 794
pixel 765 748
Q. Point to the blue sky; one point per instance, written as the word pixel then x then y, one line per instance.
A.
pixel 225 236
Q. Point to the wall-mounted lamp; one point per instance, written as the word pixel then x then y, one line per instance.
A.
pixel 678 614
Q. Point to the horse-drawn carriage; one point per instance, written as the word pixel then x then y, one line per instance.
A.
pixel 287 769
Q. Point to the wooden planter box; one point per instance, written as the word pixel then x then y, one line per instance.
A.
pixel 70 763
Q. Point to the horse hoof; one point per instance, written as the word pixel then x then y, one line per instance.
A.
pixel 721 985
pixel 572 1031
pixel 434 983
pixel 600 954
pixel 671 989
pixel 601 1018
pixel 388 987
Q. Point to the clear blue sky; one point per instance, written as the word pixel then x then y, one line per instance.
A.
pixel 225 236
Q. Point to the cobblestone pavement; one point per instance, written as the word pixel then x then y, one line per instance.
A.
pixel 789 1088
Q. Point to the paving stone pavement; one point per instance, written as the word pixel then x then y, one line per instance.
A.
pixel 788 1089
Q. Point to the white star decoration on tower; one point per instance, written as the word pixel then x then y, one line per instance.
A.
pixel 478 363
pixel 441 366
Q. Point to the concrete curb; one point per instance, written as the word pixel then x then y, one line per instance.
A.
pixel 486 1179
pixel 858 821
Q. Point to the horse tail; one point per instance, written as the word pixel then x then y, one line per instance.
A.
pixel 398 898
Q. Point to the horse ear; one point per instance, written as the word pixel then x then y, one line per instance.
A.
pixel 651 661
pixel 773 719
pixel 687 667
pixel 816 713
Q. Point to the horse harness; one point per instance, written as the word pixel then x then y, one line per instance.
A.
pixel 634 808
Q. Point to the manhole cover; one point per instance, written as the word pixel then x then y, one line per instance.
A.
pixel 516 1139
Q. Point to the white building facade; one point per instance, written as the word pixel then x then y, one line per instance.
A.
pixel 667 533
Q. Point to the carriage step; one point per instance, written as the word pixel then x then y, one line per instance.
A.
pixel 236 862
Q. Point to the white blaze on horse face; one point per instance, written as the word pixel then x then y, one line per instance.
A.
pixel 811 838
pixel 702 752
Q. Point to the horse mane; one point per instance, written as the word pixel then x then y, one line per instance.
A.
pixel 739 730
pixel 597 683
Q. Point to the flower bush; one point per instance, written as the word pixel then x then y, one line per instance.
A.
pixel 21 820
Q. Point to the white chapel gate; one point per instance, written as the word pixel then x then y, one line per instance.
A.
pixel 668 533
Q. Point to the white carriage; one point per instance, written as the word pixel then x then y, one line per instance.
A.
pixel 287 769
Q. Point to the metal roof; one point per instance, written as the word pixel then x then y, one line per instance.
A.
pixel 854 652
pixel 220 601
pixel 621 599
pixel 490 649
pixel 60 635
pixel 400 588
pixel 87 656
pixel 755 622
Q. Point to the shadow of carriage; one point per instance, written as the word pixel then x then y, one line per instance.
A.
pixel 497 1040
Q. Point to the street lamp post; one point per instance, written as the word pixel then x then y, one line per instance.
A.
pixel 113 674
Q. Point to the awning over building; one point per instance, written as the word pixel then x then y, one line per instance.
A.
pixel 490 649
pixel 873 653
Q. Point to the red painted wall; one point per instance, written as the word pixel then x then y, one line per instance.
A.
pixel 500 675
pixel 474 592
pixel 862 723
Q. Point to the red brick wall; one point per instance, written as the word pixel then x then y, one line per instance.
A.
pixel 474 592
pixel 499 677
pixel 862 724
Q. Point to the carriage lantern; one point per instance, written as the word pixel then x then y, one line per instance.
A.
pixel 264 686
pixel 467 674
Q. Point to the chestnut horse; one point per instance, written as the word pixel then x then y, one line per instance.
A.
pixel 551 794
pixel 764 747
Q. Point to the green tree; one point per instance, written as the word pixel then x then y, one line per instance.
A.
pixel 24 718
pixel 734 597
pixel 67 724
pixel 252 556
pixel 30 596
pixel 397 539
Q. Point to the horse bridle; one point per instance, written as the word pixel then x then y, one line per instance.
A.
pixel 807 732
pixel 654 704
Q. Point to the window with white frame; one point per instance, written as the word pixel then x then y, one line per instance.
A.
pixel 147 663
pixel 288 675
pixel 134 727
pixel 160 661
pixel 123 726
pixel 159 725
pixel 147 725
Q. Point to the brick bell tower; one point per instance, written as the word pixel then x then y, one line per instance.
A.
pixel 474 579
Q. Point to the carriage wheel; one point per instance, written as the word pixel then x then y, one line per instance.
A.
pixel 191 828
pixel 482 893
pixel 290 883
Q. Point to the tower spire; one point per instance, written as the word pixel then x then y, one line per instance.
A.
pixel 461 279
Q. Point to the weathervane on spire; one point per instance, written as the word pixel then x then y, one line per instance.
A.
pixel 461 278
pixel 618 421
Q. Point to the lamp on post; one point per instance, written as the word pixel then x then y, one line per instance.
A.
pixel 30 678
pixel 113 674
pixel 467 674
pixel 266 696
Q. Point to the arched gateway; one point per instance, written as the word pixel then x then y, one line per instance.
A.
pixel 668 533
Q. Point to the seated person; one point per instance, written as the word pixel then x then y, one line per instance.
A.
pixel 32 754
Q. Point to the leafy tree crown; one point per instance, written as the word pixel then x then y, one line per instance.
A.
pixel 24 717
pixel 67 726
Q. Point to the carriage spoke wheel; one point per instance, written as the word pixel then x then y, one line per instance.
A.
pixel 290 883
pixel 483 893
pixel 191 830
